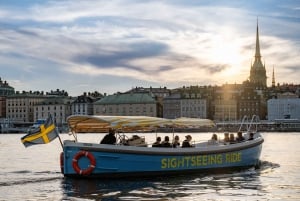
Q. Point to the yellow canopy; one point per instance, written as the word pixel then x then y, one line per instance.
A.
pixel 185 122
pixel 84 123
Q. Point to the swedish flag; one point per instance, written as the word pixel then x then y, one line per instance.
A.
pixel 44 134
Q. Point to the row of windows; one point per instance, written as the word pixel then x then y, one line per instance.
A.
pixel 9 103
pixel 124 110
pixel 130 113
pixel 83 110
pixel 248 109
pixel 49 108
pixel 192 112
pixel 249 104
pixel 193 108
pixel 17 116
pixel 20 104
pixel 249 97
pixel 193 102
pixel 225 110
pixel 47 114
pixel 17 110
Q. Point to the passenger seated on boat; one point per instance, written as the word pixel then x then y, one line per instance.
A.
pixel 226 138
pixel 157 143
pixel 214 137
pixel 240 137
pixel 136 140
pixel 251 136
pixel 109 138
pixel 176 142
pixel 231 138
pixel 134 137
pixel 166 142
pixel 213 140
pixel 187 142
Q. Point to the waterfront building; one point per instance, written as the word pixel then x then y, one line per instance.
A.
pixel 2 106
pixel 58 92
pixel 189 101
pixel 176 105
pixel 252 97
pixel 284 107
pixel 5 90
pixel 226 102
pixel 158 94
pixel 251 101
pixel 58 106
pixel 258 71
pixel 172 106
pixel 127 104
pixel 193 107
pixel 83 105
pixel 20 106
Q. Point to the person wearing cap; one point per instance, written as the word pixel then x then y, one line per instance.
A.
pixel 109 138
pixel 187 142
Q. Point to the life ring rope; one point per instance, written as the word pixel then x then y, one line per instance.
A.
pixel 90 168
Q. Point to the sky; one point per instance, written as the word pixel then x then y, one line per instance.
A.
pixel 114 46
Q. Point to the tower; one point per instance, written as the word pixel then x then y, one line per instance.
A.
pixel 258 71
pixel 273 78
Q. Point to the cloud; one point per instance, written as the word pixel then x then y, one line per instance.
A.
pixel 175 42
pixel 125 53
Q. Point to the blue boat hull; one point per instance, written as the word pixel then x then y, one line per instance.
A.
pixel 107 161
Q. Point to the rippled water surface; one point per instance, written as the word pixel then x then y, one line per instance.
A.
pixel 33 173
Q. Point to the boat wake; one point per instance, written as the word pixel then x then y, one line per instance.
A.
pixel 266 167
pixel 27 177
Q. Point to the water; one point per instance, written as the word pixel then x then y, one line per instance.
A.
pixel 33 173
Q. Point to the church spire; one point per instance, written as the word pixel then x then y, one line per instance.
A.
pixel 273 78
pixel 258 70
pixel 257 48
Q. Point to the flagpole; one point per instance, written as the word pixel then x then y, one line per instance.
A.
pixel 62 146
pixel 57 132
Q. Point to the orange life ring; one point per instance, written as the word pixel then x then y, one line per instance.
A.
pixel 88 170
pixel 62 162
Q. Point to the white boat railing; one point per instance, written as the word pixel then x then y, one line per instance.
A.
pixel 250 126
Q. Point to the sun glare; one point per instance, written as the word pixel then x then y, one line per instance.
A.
pixel 226 51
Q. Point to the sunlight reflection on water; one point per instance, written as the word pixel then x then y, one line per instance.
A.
pixel 34 174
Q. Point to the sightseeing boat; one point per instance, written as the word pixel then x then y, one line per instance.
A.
pixel 80 159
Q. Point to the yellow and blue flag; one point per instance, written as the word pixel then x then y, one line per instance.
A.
pixel 43 134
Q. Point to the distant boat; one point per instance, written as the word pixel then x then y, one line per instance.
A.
pixel 36 125
pixel 93 160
